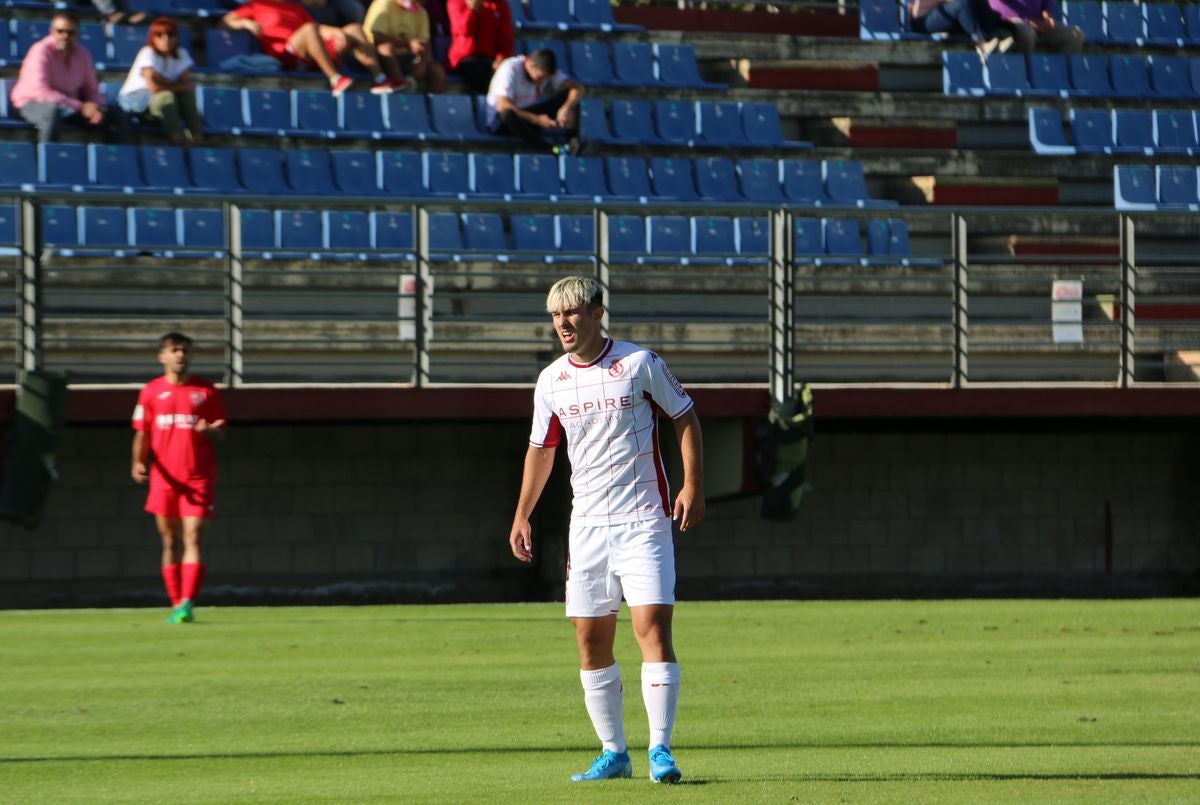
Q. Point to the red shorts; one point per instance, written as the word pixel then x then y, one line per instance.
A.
pixel 291 62
pixel 176 499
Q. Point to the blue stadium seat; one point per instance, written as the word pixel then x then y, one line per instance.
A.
pixel 127 40
pixel 407 116
pixel 753 237
pixel 633 64
pixel 888 242
pixel 393 234
pixel 60 225
pixel 1177 186
pixel 197 8
pixel 6 45
pixel 1164 24
pixel 760 123
pixel 360 114
pixel 201 228
pixel 18 163
pixel 843 241
pixel 549 15
pixel 93 39
pixel 628 177
pixel 483 236
pixel 221 44
pixel 672 178
pixel 1006 74
pixel 103 226
pixel 719 123
pixel 1130 76
pixel 591 63
pixel 593 122
pixel 153 227
pixel 575 234
pixel 1191 23
pixel 520 21
pixel 807 245
pixel 222 109
pixel 668 239
pixel 759 180
pixel 213 169
pixel 899 244
pixel 354 173
pixel 492 175
pixel 879 236
pixel 583 177
pixel 1169 77
pixel 316 113
pixel 400 173
pixel 1175 132
pixel 445 234
pixel 1048 75
pixel 879 20
pixel 677 68
pixel 447 174
pixel 626 238
pixel 261 171
pixel 533 235
pixel 803 183
pixel 258 232
pixel 114 166
pixel 537 175
pixel 1123 23
pixel 347 231
pixel 598 15
pixel 26 32
pixel 268 111
pixel 163 167
pixel 1194 72
pixel 62 164
pixel 845 184
pixel 453 118
pixel 1046 132
pixel 1086 15
pixel 1089 76
pixel 1091 131
pixel 1133 187
pixel 713 239
pixel 632 122
pixel 299 230
pixel 1133 131
pixel 962 74
pixel 308 172
pixel 716 179
pixel 8 117
pixel 675 122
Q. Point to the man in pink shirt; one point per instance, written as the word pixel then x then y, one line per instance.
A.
pixel 57 84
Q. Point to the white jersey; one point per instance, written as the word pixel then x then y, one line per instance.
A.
pixel 608 412
pixel 510 81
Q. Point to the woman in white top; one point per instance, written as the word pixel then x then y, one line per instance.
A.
pixel 160 84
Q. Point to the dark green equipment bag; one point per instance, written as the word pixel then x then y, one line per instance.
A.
pixel 30 465
pixel 783 456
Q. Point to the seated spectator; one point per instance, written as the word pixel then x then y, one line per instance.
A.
pixel 159 85
pixel 399 29
pixel 116 13
pixel 481 36
pixel 57 84
pixel 974 18
pixel 530 98
pixel 287 32
pixel 1031 20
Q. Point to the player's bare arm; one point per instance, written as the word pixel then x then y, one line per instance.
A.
pixel 141 454
pixel 209 429
pixel 539 461
pixel 689 503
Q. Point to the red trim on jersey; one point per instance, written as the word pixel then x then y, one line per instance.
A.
pixel 554 432
pixel 607 348
pixel 659 470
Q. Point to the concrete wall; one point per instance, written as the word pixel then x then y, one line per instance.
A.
pixel 421 510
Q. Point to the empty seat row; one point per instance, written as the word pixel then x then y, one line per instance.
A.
pixel 1116 131
pixel 1119 76
pixel 1155 187
pixel 571 15
pixel 112 47
pixel 268 171
pixel 676 123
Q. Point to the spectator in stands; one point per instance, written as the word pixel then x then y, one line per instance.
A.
pixel 481 36
pixel 57 84
pixel 974 18
pixel 1031 20
pixel 399 29
pixel 287 32
pixel 114 13
pixel 531 98
pixel 160 86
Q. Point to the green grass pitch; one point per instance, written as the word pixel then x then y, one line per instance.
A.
pixel 907 702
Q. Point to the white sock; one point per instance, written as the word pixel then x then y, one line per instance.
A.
pixel 660 692
pixel 603 697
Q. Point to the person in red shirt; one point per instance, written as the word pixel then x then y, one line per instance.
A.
pixel 176 418
pixel 481 36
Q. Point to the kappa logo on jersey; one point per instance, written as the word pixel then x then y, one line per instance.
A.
pixel 564 376
pixel 615 369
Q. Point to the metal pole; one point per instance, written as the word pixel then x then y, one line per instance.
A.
pixel 603 269
pixel 29 341
pixel 1128 300
pixel 234 295
pixel 958 244
pixel 424 297
pixel 782 307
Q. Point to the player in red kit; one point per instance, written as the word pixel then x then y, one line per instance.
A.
pixel 176 418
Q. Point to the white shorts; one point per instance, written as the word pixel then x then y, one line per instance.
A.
pixel 636 560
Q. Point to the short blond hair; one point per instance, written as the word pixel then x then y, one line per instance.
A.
pixel 573 292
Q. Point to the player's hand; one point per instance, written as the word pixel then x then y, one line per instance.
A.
pixel 689 508
pixel 563 118
pixel 139 473
pixel 545 121
pixel 203 425
pixel 253 28
pixel 521 540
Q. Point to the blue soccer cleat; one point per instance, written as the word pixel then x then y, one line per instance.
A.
pixel 662 765
pixel 609 766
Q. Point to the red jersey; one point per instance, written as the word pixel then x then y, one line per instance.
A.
pixel 168 413
pixel 279 19
pixel 486 31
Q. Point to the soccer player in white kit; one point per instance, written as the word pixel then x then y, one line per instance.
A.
pixel 604 397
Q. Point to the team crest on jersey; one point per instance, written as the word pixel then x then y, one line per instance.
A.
pixel 615 369
pixel 197 398
pixel 564 376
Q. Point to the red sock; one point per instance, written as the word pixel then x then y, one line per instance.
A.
pixel 193 574
pixel 170 576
